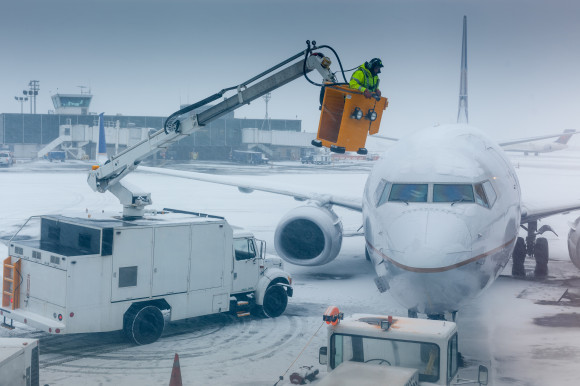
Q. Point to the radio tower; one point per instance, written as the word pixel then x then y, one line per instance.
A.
pixel 267 98
pixel 462 116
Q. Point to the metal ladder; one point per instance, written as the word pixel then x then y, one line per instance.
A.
pixel 10 289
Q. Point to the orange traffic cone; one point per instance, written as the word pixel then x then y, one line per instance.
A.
pixel 175 373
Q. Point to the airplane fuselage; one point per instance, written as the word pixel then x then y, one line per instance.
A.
pixel 441 212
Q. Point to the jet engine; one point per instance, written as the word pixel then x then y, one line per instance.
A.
pixel 574 242
pixel 309 235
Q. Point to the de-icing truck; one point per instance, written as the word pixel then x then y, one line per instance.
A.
pixel 136 271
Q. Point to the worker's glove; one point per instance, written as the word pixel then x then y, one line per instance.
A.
pixel 367 94
pixel 378 92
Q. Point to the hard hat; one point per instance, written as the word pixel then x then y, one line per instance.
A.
pixel 376 62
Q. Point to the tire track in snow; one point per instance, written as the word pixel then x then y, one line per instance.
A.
pixel 205 343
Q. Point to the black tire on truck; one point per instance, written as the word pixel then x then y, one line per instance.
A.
pixel 275 302
pixel 143 325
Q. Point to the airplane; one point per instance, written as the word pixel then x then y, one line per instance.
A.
pixel 529 147
pixel 441 213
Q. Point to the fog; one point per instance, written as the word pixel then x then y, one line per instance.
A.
pixel 147 57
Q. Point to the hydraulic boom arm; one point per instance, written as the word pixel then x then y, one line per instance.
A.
pixel 107 177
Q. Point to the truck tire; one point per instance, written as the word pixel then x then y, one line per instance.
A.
pixel 275 302
pixel 143 325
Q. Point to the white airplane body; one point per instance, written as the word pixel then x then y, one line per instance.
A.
pixel 441 213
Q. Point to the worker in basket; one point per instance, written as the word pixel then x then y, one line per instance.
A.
pixel 366 80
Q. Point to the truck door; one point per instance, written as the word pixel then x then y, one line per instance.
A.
pixel 171 259
pixel 246 265
pixel 132 258
pixel 208 256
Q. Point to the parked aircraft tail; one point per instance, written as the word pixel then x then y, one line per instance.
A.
pixel 564 138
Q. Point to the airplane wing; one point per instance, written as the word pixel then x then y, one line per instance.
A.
pixel 245 187
pixel 530 213
pixel 532 139
pixel 508 143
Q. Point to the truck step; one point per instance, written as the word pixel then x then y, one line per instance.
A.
pixel 242 303
pixel 8 326
pixel 242 314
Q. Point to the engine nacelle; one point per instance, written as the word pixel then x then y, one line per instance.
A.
pixel 309 235
pixel 574 243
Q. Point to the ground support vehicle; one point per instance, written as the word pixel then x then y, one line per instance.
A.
pixel 101 273
pixel 6 159
pixel 19 364
pixel 249 157
pixel 387 350
pixel 56 156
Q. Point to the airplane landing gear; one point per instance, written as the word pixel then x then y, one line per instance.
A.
pixel 532 246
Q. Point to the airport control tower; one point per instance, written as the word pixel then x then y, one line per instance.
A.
pixel 72 104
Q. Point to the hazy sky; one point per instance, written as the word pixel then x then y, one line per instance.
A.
pixel 145 57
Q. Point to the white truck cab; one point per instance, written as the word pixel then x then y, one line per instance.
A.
pixel 103 273
pixel 386 350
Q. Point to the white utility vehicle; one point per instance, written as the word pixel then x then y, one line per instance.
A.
pixel 385 350
pixel 98 273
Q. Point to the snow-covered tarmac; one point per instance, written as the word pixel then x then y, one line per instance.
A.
pixel 526 331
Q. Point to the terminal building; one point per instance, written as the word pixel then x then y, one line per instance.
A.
pixel 71 127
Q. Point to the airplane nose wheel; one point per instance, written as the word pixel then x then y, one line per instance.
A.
pixel 518 258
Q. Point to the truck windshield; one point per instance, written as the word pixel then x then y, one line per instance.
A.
pixel 422 356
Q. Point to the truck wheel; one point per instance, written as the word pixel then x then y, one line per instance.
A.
pixel 143 325
pixel 275 301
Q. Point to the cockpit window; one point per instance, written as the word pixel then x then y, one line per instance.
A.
pixel 409 192
pixel 453 193
pixel 480 197
pixel 382 192
pixel 490 193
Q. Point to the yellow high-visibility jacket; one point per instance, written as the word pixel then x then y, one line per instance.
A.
pixel 362 79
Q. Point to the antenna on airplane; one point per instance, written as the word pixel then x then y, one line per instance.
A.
pixel 462 115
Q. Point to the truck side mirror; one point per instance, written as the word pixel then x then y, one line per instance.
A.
pixel 322 355
pixel 482 376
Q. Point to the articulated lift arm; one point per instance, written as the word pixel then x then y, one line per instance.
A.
pixel 107 177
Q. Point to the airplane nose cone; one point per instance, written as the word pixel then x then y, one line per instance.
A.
pixel 429 238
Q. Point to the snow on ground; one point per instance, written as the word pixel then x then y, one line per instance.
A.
pixel 518 327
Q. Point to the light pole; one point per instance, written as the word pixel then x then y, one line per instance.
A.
pixel 32 92
pixel 21 100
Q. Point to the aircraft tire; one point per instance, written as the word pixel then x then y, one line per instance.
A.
pixel 541 253
pixel 518 258
pixel 275 302
pixel 143 325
